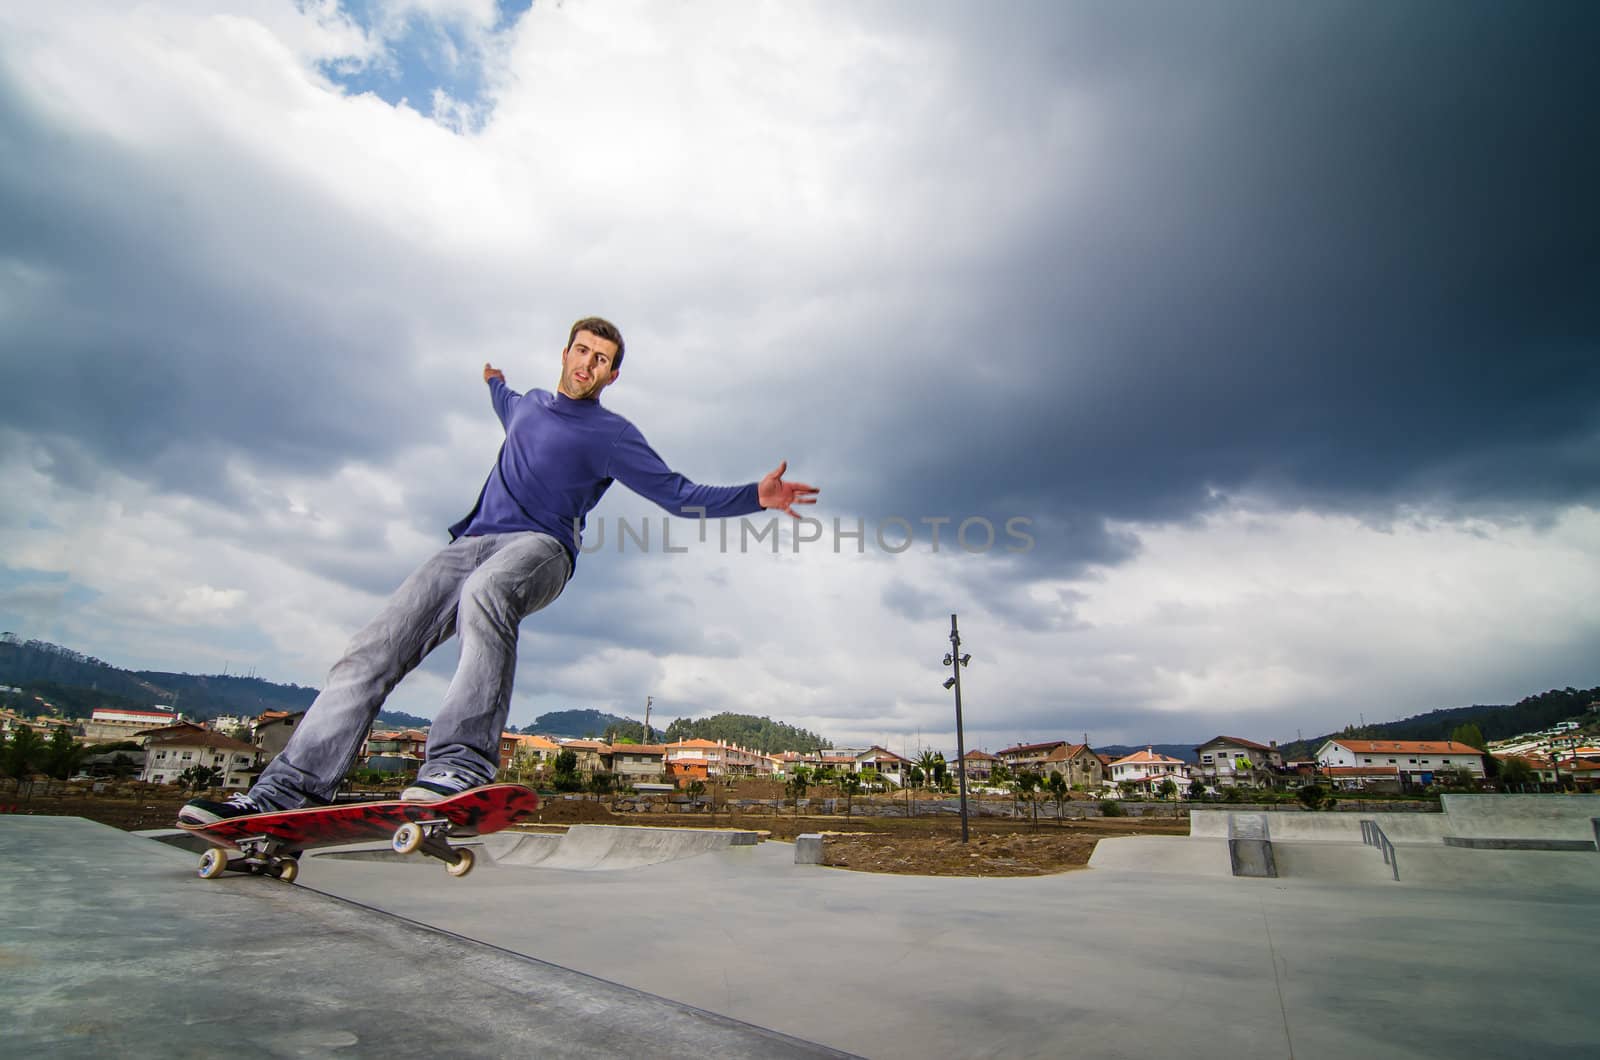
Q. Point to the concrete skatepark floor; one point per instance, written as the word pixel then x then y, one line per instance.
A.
pixel 1153 950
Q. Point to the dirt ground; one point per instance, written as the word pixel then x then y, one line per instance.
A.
pixel 929 846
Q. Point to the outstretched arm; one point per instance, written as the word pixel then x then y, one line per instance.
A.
pixel 500 394
pixel 774 492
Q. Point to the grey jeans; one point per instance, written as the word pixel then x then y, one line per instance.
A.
pixel 479 586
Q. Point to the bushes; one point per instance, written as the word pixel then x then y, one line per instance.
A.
pixel 1111 808
pixel 1315 797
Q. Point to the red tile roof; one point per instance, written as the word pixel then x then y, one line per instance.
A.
pixel 1411 747
pixel 202 738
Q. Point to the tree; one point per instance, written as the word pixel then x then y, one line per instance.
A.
pixel 798 782
pixel 1515 773
pixel 696 789
pixel 1470 735
pixel 926 760
pixel 22 753
pixel 849 783
pixel 1025 785
pixel 601 783
pixel 199 778
pixel 1000 774
pixel 1058 788
pixel 566 772
pixel 1169 788
pixel 1197 789
pixel 915 777
pixel 63 756
pixel 871 779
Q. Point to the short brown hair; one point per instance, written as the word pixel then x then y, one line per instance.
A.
pixel 600 328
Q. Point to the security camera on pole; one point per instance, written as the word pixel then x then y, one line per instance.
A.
pixel 955 660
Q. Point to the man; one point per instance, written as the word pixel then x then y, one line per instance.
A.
pixel 511 556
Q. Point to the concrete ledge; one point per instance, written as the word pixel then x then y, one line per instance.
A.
pixel 808 849
pixel 1502 843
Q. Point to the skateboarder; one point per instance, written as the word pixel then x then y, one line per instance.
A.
pixel 511 556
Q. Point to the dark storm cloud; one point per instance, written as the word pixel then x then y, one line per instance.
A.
pixel 148 338
pixel 1340 256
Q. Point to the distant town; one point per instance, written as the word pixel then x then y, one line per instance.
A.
pixel 161 746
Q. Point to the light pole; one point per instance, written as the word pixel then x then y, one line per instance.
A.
pixel 955 660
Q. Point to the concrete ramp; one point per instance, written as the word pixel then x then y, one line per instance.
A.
pixel 1558 817
pixel 520 849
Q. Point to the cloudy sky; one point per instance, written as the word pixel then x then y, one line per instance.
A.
pixel 1274 325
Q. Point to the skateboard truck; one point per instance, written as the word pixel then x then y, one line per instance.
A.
pixel 428 837
pixel 261 857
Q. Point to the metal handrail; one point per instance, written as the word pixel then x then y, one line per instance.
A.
pixel 1373 836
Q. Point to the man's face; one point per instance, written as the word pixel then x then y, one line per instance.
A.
pixel 586 366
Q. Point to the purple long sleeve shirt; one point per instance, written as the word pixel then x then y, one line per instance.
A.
pixel 560 457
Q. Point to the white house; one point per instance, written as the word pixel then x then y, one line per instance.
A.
pixel 1146 770
pixel 1413 761
pixel 890 766
pixel 166 759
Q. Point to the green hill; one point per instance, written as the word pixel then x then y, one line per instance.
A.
pixel 746 730
pixel 580 724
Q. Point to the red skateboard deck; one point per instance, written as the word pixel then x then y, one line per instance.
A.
pixel 271 843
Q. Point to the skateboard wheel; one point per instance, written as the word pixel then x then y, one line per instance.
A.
pixel 213 863
pixel 408 838
pixel 287 870
pixel 463 864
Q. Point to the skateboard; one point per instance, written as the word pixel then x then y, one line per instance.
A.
pixel 270 844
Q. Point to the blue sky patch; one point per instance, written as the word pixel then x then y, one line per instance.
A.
pixel 426 55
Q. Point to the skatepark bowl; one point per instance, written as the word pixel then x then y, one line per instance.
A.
pixel 1466 932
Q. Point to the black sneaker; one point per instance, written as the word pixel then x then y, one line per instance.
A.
pixel 207 811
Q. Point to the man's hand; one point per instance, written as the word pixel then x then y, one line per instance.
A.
pixel 491 372
pixel 773 492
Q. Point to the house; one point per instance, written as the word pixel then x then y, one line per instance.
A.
pixel 272 731
pixel 639 763
pixel 109 726
pixel 530 750
pixel 1229 761
pixel 1028 757
pixel 980 765
pixel 1146 770
pixel 890 766
pixel 594 756
pixel 704 759
pixel 167 758
pixel 413 743
pixel 1415 761
pixel 1077 763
